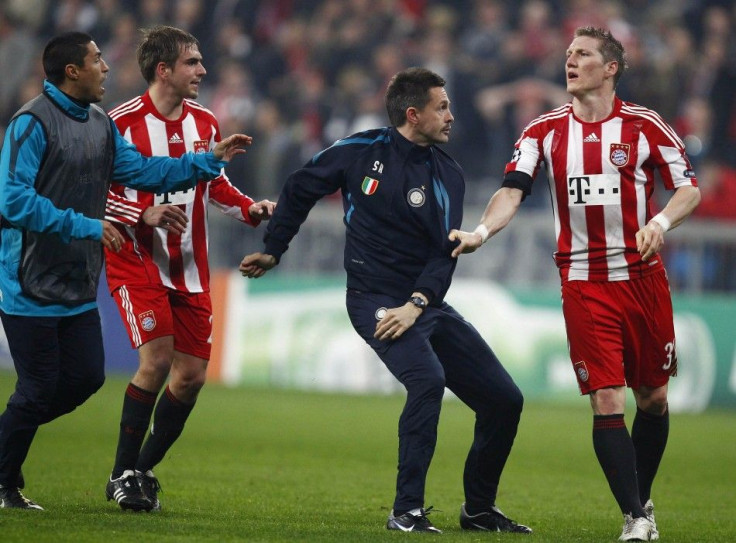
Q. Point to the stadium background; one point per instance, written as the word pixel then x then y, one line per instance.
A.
pixel 299 74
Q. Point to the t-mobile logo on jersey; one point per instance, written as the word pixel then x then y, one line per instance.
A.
pixel 594 190
pixel 178 197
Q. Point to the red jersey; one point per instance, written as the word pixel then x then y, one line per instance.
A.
pixel 177 261
pixel 601 177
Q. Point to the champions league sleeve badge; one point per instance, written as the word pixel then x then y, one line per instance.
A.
pixel 416 197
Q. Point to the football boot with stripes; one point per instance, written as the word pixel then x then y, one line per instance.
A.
pixel 126 491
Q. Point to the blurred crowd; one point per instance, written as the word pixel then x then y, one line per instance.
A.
pixel 299 74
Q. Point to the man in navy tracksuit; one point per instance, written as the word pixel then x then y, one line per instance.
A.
pixel 402 195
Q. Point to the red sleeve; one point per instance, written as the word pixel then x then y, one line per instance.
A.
pixel 123 211
pixel 231 201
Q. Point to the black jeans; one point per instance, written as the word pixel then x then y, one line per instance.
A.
pixel 60 363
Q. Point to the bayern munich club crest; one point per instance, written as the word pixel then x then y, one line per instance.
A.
pixel 148 321
pixel 201 146
pixel 581 371
pixel 619 154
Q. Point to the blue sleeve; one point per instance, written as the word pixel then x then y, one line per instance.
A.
pixel 435 279
pixel 20 204
pixel 322 175
pixel 159 173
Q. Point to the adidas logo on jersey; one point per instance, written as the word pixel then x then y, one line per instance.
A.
pixel 591 138
pixel 175 139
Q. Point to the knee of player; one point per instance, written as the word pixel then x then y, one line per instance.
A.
pixel 608 400
pixel 191 382
pixel 654 402
pixel 95 383
pixel 515 400
pixel 77 393
pixel 427 384
pixel 156 367
pixel 511 402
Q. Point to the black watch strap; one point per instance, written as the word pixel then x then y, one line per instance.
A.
pixel 418 301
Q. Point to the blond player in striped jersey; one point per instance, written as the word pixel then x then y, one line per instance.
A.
pixel 601 155
pixel 160 277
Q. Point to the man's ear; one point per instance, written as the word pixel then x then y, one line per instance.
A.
pixel 71 71
pixel 412 115
pixel 162 70
pixel 612 68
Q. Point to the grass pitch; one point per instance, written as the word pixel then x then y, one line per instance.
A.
pixel 273 466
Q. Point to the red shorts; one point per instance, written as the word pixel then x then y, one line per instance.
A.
pixel 150 312
pixel 620 332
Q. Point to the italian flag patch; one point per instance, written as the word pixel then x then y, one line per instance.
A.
pixel 369 185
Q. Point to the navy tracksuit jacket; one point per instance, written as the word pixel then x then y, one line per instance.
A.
pixel 401 200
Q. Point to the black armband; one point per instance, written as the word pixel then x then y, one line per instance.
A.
pixel 519 180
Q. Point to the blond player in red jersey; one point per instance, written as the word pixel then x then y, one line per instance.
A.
pixel 160 277
pixel 601 155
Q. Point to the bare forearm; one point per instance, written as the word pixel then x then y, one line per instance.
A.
pixel 501 208
pixel 498 213
pixel 681 205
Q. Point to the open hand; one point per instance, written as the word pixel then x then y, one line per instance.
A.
pixel 231 146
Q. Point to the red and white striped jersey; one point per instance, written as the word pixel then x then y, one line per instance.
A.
pixel 601 178
pixel 153 254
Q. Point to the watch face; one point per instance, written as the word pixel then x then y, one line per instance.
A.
pixel 419 302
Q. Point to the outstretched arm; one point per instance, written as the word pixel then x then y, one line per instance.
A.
pixel 500 210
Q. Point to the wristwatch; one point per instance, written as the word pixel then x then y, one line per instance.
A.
pixel 418 301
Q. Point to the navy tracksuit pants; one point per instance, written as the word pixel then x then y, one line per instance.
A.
pixel 443 350
pixel 60 363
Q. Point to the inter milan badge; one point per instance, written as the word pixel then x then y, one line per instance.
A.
pixel 380 313
pixel 148 321
pixel 619 155
pixel 415 197
pixel 201 146
pixel 369 185
pixel 581 371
